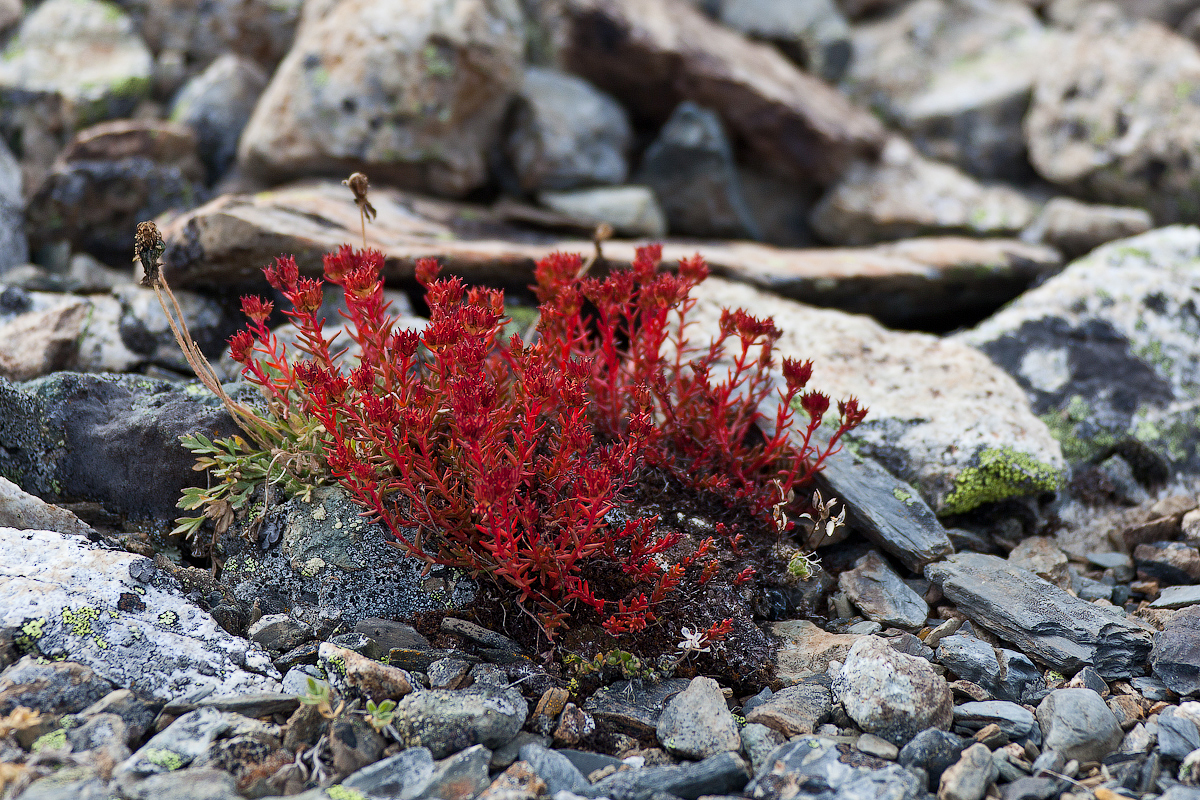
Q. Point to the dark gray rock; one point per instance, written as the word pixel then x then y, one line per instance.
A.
pixel 1078 724
pixel 1031 789
pixel 353 744
pixel 1041 619
pixel 111 439
pixel 724 773
pixel 812 768
pixel 1177 736
pixel 111 177
pixel 217 104
pixel 61 688
pixel 1015 721
pixel 391 634
pixel 1006 674
pixel 14 246
pixel 278 632
pixel 1176 654
pixel 635 705
pixel 462 775
pixel 324 555
pixel 877 590
pixel 934 751
pixel 555 768
pixel 885 509
pixel 691 169
pixel 448 721
pixel 136 713
pixel 566 134
pixel 811 32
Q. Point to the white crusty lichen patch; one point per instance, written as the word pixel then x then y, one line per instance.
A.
pixel 70 599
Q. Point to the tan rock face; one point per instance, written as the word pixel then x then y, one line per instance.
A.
pixel 408 91
pixel 653 55
pixel 40 342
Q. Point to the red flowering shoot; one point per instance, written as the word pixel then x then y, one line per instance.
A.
pixel 518 460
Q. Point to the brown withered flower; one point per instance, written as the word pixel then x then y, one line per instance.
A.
pixel 148 248
pixel 359 184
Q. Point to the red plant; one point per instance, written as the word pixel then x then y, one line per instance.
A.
pixel 512 459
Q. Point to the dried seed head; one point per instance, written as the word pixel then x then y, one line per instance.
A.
pixel 148 247
pixel 359 184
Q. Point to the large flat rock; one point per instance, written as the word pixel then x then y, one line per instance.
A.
pixel 1107 351
pixel 942 418
pixel 1043 620
pixel 229 239
pixel 66 598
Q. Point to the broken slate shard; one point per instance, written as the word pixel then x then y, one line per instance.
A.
pixel 1041 619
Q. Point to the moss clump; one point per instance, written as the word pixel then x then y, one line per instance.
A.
pixel 997 474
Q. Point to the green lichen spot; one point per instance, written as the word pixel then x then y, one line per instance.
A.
pixel 168 618
pixel 54 740
pixel 167 759
pixel 436 64
pixel 338 664
pixel 312 567
pixel 34 628
pixel 903 496
pixel 103 645
pixel 80 621
pixel 997 474
pixel 340 792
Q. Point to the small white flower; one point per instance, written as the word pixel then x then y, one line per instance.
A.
pixel 693 641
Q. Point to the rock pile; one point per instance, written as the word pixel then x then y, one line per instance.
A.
pixel 977 216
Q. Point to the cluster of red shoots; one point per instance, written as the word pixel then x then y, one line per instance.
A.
pixel 509 458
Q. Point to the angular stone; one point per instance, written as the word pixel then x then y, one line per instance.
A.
pixel 1176 654
pixel 217 104
pixel 810 32
pixel 40 342
pixel 1076 228
pixel 724 773
pixel 697 723
pixel 1169 563
pixel 794 710
pixel 807 650
pixel 86 51
pixel 877 590
pixel 691 168
pixel 448 721
pixel 1128 138
pixel 956 77
pixel 654 55
pixel 70 599
pixel 417 103
pixel 634 705
pixel 1041 556
pixel 1078 724
pixel 1016 722
pixel 906 195
pixel 891 695
pixel 810 761
pixel 1063 631
pixel 567 134
pixel 630 210
pixel 970 778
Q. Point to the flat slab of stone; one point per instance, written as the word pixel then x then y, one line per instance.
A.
pixel 67 598
pixel 1041 619
pixel 942 417
pixel 229 240
pixel 1106 350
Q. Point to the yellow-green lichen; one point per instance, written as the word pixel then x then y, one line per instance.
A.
pixel 168 618
pixel 338 664
pixel 998 473
pixel 80 621
pixel 903 496
pixel 340 792
pixel 54 740
pixel 33 629
pixel 167 759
